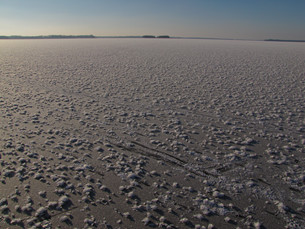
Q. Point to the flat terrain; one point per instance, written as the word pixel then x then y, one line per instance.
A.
pixel 144 133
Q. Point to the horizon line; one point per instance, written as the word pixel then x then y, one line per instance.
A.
pixel 61 36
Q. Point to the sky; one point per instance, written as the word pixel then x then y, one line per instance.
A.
pixel 240 19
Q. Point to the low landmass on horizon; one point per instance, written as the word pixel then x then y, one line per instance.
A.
pixel 46 37
pixel 143 36
pixel 77 36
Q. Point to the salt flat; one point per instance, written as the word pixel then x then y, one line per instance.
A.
pixel 135 133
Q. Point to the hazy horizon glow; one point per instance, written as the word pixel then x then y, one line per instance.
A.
pixel 260 19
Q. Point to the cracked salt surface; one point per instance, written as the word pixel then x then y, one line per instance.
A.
pixel 132 133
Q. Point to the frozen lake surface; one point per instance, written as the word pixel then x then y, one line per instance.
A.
pixel 135 133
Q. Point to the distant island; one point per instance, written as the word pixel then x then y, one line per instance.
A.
pixel 279 40
pixel 77 36
pixel 143 36
pixel 152 36
pixel 47 37
pixel 163 36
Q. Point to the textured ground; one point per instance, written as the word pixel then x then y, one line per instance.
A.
pixel 134 133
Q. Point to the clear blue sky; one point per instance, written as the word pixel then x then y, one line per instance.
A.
pixel 248 19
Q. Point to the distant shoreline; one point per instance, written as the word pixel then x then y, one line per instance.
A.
pixel 279 40
pixel 47 37
pixel 19 37
pixel 16 37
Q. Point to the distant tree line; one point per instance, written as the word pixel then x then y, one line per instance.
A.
pixel 47 37
pixel 152 36
pixel 77 36
pixel 284 40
